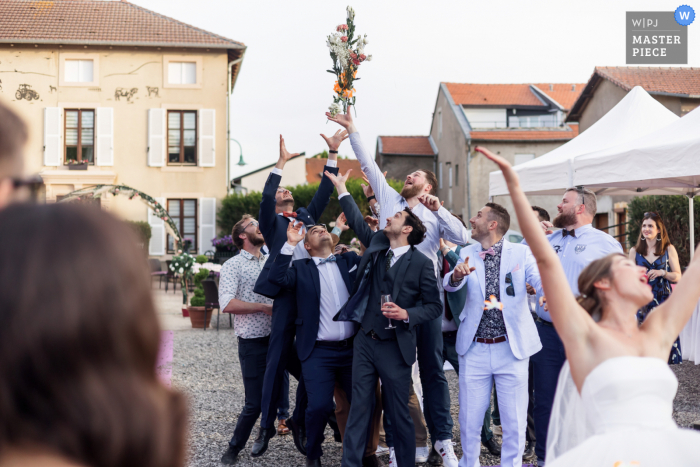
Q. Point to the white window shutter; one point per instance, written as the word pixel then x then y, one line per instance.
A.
pixel 207 133
pixel 157 131
pixel 156 246
pixel 207 223
pixel 53 149
pixel 105 136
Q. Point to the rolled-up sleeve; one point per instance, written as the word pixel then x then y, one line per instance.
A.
pixel 228 283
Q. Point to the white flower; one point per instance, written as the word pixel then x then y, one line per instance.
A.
pixel 335 109
pixel 351 13
pixel 181 270
pixel 369 58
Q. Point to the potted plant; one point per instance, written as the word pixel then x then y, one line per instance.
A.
pixel 181 264
pixel 77 165
pixel 197 309
pixel 223 244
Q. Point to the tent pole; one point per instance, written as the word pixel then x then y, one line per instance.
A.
pixel 691 217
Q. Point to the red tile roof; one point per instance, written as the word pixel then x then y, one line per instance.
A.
pixel 526 135
pixel 513 94
pixel 314 168
pixel 407 145
pixel 564 94
pixel 99 22
pixel 672 80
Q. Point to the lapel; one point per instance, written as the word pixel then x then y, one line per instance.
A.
pixel 506 254
pixel 315 277
pixel 343 268
pixel 404 262
pixel 379 242
pixel 480 269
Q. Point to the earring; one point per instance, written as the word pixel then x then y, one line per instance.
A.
pixel 658 237
pixel 643 237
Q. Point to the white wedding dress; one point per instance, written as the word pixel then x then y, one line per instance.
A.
pixel 622 418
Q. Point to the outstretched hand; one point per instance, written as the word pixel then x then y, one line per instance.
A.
pixel 294 234
pixel 344 120
pixel 462 270
pixel 505 166
pixel 284 154
pixel 339 180
pixel 334 141
pixel 341 222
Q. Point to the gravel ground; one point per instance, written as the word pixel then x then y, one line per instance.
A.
pixel 206 368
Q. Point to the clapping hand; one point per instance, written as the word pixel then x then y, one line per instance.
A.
pixel 339 180
pixel 341 222
pixel 462 270
pixel 429 201
pixel 294 235
pixel 334 141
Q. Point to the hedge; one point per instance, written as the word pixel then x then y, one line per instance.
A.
pixel 142 229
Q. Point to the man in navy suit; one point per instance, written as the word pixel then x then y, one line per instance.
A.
pixel 385 346
pixel 276 213
pixel 322 284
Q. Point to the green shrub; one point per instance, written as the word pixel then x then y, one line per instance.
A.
pixel 142 229
pixel 674 212
pixel 198 297
pixel 201 259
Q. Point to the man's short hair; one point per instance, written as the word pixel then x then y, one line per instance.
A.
pixel 587 198
pixel 238 229
pixel 499 214
pixel 418 233
pixel 541 213
pixel 13 136
pixel 432 180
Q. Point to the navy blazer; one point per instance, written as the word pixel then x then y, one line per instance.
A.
pixel 303 278
pixel 274 226
pixel 415 288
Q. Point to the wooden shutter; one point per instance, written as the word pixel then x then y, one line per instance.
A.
pixel 53 147
pixel 156 246
pixel 157 131
pixel 104 136
pixel 206 139
pixel 207 223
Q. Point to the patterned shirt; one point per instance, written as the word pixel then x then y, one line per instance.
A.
pixel 237 280
pixel 492 324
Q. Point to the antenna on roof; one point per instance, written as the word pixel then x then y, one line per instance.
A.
pixel 573 87
pixel 551 87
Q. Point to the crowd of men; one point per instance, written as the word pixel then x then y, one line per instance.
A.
pixel 423 290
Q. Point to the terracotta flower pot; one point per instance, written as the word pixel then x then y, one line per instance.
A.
pixel 185 312
pixel 197 316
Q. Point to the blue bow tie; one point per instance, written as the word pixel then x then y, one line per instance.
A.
pixel 330 259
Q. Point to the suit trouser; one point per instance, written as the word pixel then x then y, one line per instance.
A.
pixel 436 391
pixel 481 366
pixel 449 353
pixel 547 364
pixel 281 356
pixel 530 435
pixel 342 410
pixel 252 354
pixel 326 365
pixel 416 413
pixel 374 359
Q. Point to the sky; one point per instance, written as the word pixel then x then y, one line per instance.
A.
pixel 283 87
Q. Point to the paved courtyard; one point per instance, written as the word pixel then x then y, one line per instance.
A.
pixel 205 367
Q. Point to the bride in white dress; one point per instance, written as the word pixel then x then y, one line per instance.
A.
pixel 614 399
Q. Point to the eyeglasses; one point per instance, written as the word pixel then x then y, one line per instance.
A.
pixel 34 184
pixel 580 191
pixel 253 223
pixel 283 190
pixel 510 291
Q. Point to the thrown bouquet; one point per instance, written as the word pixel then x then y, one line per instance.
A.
pixel 347 53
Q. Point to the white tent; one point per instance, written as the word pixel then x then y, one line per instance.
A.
pixel 634 116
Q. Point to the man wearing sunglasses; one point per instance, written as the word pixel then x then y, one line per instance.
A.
pixel 13 136
pixel 494 343
pixel 276 214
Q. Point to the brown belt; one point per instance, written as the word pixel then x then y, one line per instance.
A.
pixel 495 340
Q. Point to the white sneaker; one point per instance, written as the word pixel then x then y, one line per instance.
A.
pixel 422 454
pixel 392 458
pixel 381 450
pixel 444 448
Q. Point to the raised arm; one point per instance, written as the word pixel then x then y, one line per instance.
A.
pixel 268 205
pixel 280 273
pixel 451 229
pixel 573 323
pixel 352 213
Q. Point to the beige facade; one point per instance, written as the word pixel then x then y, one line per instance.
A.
pixel 131 92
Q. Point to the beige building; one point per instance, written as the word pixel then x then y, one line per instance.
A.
pixel 127 96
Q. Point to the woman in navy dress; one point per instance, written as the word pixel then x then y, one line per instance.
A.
pixel 655 252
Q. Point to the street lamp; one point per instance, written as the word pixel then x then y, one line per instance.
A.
pixel 241 162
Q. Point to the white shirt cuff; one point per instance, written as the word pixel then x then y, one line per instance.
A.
pixel 347 193
pixel 330 163
pixel 287 249
pixel 277 171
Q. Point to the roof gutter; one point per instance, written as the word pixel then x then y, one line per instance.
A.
pixel 232 45
pixel 228 122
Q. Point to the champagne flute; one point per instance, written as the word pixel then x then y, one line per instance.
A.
pixel 387 299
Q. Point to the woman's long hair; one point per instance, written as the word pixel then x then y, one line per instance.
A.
pixel 662 240
pixel 79 341
pixel 590 297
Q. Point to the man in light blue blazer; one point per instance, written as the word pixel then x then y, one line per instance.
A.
pixel 495 342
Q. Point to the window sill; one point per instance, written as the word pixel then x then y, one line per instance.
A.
pixel 175 168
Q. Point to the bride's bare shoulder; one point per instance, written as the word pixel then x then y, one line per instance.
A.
pixel 28 457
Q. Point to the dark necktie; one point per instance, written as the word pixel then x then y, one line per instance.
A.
pixel 445 270
pixel 389 255
pixel 571 232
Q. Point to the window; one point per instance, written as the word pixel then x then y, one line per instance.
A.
pixel 80 135
pixel 78 71
pixel 184 213
pixel 457 175
pixel 522 158
pixel 182 137
pixel 449 176
pixel 439 123
pixel 182 72
pixel 440 175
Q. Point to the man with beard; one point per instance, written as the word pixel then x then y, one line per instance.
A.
pixel 252 319
pixel 418 194
pixel 577 245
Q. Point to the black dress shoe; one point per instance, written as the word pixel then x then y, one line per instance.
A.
pixel 260 444
pixel 230 456
pixel 493 447
pixel 298 435
pixel 434 458
pixel 372 461
pixel 313 463
pixel 529 454
pixel 333 423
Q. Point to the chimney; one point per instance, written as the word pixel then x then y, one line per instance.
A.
pixel 551 87
pixel 573 87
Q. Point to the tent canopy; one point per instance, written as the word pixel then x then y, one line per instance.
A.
pixel 637 114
